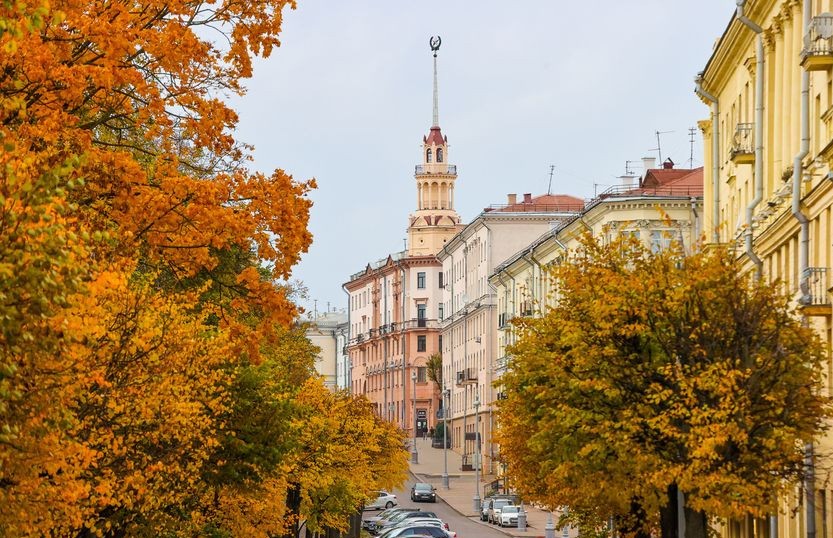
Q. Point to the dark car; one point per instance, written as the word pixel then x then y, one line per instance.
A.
pixel 382 526
pixel 422 491
pixel 372 522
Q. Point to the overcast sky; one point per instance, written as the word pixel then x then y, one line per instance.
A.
pixel 580 85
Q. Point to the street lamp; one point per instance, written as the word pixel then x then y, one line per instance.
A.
pixel 446 393
pixel 414 453
pixel 476 499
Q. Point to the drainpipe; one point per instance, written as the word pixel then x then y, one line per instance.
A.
pixel 542 296
pixel 759 132
pixel 348 374
pixel 404 343
pixel 698 89
pixel 798 172
pixel 803 258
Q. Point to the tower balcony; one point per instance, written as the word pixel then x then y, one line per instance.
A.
pixel 817 54
pixel 743 144
pixel 439 168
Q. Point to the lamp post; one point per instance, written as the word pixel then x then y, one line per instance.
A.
pixel 414 453
pixel 476 499
pixel 446 392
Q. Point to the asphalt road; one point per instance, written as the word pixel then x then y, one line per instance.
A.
pixel 463 526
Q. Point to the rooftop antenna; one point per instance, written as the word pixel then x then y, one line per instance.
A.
pixel 549 187
pixel 628 170
pixel 405 243
pixel 658 149
pixel 315 308
pixel 691 132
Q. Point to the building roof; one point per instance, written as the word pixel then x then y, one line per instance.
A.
pixel 435 137
pixel 544 203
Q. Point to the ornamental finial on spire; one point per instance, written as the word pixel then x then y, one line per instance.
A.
pixel 435 42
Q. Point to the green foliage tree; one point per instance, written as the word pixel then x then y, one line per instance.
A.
pixel 656 373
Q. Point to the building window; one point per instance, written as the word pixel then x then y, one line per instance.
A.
pixel 441 280
pixel 420 315
pixel 660 240
pixel 422 374
pixel 421 343
pixel 441 313
pixel 421 280
pixel 428 155
pixel 440 344
pixel 439 155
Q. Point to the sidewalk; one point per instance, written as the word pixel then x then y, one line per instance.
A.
pixel 460 494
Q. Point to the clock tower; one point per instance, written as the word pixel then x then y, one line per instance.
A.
pixel 435 220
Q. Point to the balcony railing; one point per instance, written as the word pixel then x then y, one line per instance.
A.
pixel 817 53
pixel 817 286
pixel 450 169
pixel 421 324
pixel 743 144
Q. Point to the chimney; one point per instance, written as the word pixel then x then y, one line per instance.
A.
pixel 528 198
pixel 668 164
pixel 628 181
pixel 649 163
pixel 511 199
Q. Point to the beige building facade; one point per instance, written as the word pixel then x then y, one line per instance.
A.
pixel 328 331
pixel 769 148
pixel 469 319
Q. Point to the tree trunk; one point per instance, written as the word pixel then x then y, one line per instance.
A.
pixel 668 514
pixel 696 523
pixel 634 525
pixel 293 510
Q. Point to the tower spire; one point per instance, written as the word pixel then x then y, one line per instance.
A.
pixel 435 43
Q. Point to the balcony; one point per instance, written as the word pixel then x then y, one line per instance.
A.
pixel 818 297
pixel 471 374
pixel 421 324
pixel 817 54
pixel 743 144
pixel 450 169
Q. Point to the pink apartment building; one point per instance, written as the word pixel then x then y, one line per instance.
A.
pixel 395 307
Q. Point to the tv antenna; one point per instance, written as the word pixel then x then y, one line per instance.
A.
pixel 658 149
pixel 628 170
pixel 549 187
pixel 691 132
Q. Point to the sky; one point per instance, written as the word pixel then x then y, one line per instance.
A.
pixel 582 86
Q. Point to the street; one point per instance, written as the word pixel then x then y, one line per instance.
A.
pixel 463 526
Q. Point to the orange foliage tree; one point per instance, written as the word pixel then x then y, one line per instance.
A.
pixel 659 373
pixel 139 269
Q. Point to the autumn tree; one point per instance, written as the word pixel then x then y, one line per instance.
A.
pixel 656 373
pixel 434 368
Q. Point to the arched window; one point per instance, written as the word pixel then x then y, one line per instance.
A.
pixel 428 155
pixel 439 155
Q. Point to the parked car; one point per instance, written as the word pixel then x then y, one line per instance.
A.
pixel 396 518
pixel 426 520
pixel 435 531
pixel 422 491
pixel 484 509
pixel 495 505
pixel 385 515
pixel 383 500
pixel 508 516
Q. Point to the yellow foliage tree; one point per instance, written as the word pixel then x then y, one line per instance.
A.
pixel 659 372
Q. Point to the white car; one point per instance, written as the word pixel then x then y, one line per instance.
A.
pixel 508 516
pixel 383 500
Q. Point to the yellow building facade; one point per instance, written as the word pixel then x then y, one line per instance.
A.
pixel 768 188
